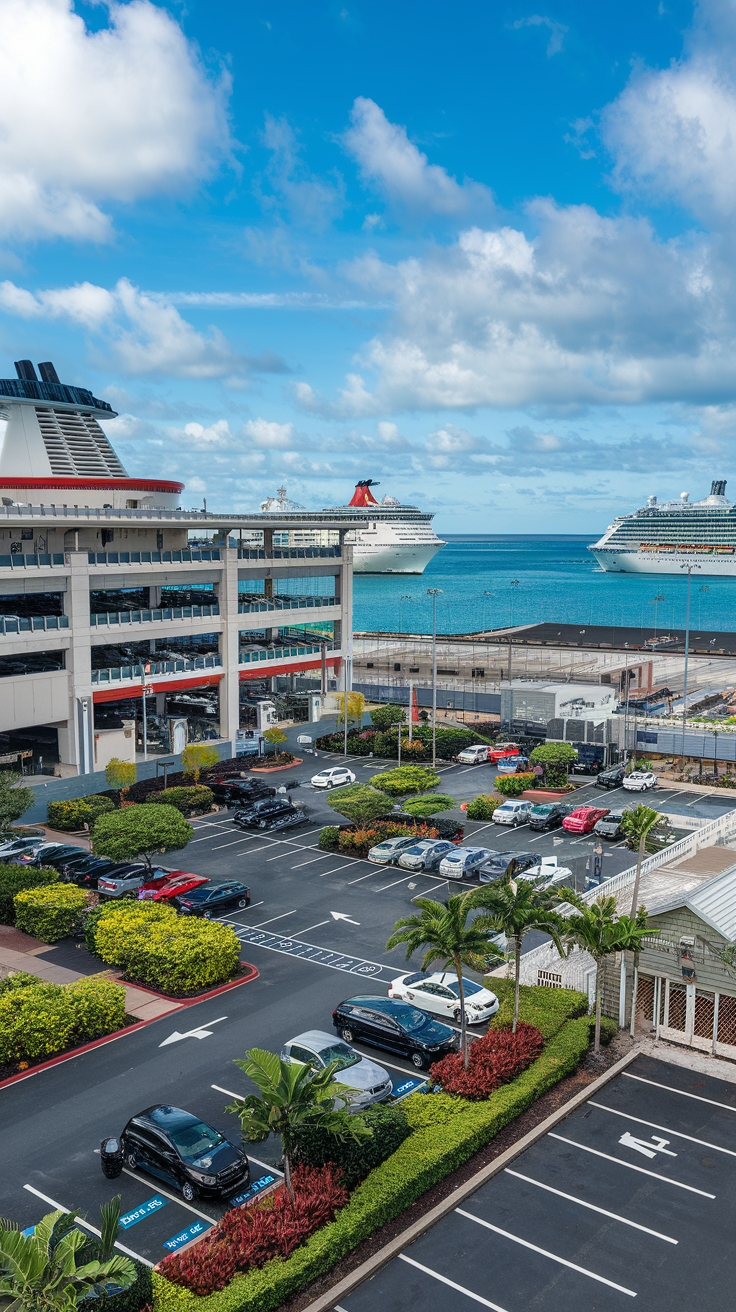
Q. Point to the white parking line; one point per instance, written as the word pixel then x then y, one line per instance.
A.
pixel 232 843
pixel 698 1097
pixel 279 856
pixel 324 856
pixel 591 1206
pixel 653 1125
pixel 309 928
pixel 383 887
pixel 573 1266
pixel 630 1166
pixel 336 870
pixel 85 1224
pixel 361 877
pixel 283 916
pixel 142 1179
pixel 485 1302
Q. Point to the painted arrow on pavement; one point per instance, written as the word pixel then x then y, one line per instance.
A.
pixel 201 1033
pixel 340 915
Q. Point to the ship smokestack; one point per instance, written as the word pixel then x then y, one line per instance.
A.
pixel 718 487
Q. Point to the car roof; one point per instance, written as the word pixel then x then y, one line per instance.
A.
pixel 316 1039
pixel 168 1118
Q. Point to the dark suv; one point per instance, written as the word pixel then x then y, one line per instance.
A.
pixel 273 813
pixel 548 815
pixel 240 791
pixel 397 1027
pixel 612 778
pixel 178 1148
pixel 502 864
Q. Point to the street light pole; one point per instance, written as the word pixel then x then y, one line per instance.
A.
pixel 434 593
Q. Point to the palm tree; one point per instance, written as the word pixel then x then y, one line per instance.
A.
pixel 442 929
pixel 637 824
pixel 293 1096
pixel 515 907
pixel 39 1272
pixel 597 929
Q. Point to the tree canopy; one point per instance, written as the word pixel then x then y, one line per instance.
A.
pixel 428 805
pixel 382 717
pixel 406 779
pixel 120 774
pixel 359 802
pixel 597 928
pixel 140 831
pixel 198 757
pixel 14 801
pixel 516 906
pixel 556 758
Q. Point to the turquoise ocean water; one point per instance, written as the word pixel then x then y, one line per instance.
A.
pixel 496 580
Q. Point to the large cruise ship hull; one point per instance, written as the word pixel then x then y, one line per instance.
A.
pixel 640 562
pixel 393 558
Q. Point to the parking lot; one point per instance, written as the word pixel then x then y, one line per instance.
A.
pixel 631 1197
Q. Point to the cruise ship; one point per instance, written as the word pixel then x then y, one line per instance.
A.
pixel 666 538
pixel 396 538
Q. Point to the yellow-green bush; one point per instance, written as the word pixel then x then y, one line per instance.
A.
pixel 190 801
pixel 76 812
pixel 38 1019
pixel 14 879
pixel 50 913
pixel 156 946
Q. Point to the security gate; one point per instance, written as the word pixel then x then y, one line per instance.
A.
pixel 684 1013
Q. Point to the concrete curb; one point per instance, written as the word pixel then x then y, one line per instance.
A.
pixel 326 1302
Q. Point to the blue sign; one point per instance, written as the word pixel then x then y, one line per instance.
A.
pixel 140 1213
pixel 407 1086
pixel 29 1231
pixel 256 1188
pixel 184 1236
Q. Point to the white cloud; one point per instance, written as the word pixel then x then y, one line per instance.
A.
pixel 400 172
pixel 444 445
pixel 557 31
pixel 269 434
pixel 197 437
pixel 590 310
pixel 673 131
pixel 88 117
pixel 307 199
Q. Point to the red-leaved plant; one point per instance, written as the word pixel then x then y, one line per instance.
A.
pixel 496 1058
pixel 250 1236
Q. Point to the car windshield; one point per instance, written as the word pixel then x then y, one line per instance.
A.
pixel 469 987
pixel 542 810
pixel 418 850
pixel 192 1140
pixel 409 1018
pixel 341 1053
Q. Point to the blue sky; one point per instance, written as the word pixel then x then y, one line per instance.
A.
pixel 482 253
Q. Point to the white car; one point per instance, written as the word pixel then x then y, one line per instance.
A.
pixel 336 777
pixel 426 854
pixel 317 1049
pixel 389 851
pixel 474 755
pixel 513 812
pixel 640 781
pixel 463 862
pixel 440 994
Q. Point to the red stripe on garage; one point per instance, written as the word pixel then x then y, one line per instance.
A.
pixel 264 669
pixel 170 685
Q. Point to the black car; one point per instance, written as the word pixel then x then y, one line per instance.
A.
pixel 57 855
pixel 611 826
pixel 397 1027
pixel 548 815
pixel 84 871
pixel 178 1148
pixel 209 899
pixel 612 778
pixel 240 791
pixel 506 863
pixel 273 813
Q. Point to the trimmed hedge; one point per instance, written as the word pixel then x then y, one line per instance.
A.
pixel 15 879
pixel 449 742
pixel 51 913
pixel 315 1146
pixel 156 946
pixel 405 779
pixel 39 1020
pixel 136 1298
pixel 482 808
pixel 190 801
pixel 446 1132
pixel 513 785
pixel 74 814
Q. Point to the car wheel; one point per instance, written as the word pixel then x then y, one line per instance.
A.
pixel 242 902
pixel 188 1192
pixel 207 915
pixel 417 1060
pixel 458 1015
pixel 131 1160
pixel 347 1035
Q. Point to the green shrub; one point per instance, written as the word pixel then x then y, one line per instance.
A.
pixel 359 802
pixel 382 717
pixel 315 1146
pixel 51 913
pixel 136 1298
pixel 513 785
pixel 547 1009
pixel 609 1029
pixel 557 759
pixel 406 779
pixel 359 841
pixel 156 946
pixel 76 812
pixel 14 879
pixel 446 1131
pixel 329 838
pixel 39 1020
pixel 140 830
pixel 482 808
pixel 198 757
pixel 190 801
pixel 429 804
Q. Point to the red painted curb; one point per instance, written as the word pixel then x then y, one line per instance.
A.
pixel 274 769
pixel 119 1034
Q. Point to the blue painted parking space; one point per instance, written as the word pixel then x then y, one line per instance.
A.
pixel 186 1236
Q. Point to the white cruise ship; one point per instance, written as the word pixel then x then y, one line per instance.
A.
pixel 662 539
pixel 396 539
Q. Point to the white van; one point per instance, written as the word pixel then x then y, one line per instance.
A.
pixel 514 812
pixel 474 755
pixel 463 862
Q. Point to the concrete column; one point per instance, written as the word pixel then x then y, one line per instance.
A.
pixel 227 595
pixel 344 635
pixel 75 742
pixel 154 597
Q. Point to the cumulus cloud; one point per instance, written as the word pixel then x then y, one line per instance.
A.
pixel 589 310
pixel 556 30
pixel 401 173
pixel 88 117
pixel 269 434
pixel 306 199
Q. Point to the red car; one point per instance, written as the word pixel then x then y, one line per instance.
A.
pixel 502 750
pixel 166 887
pixel 582 820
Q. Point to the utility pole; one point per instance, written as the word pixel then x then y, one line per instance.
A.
pixel 434 593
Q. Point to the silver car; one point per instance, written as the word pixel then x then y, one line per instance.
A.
pixel 16 847
pixel 125 880
pixel 426 854
pixel 317 1049
pixel 388 852
pixel 463 862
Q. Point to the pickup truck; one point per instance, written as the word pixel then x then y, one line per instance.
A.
pixel 501 750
